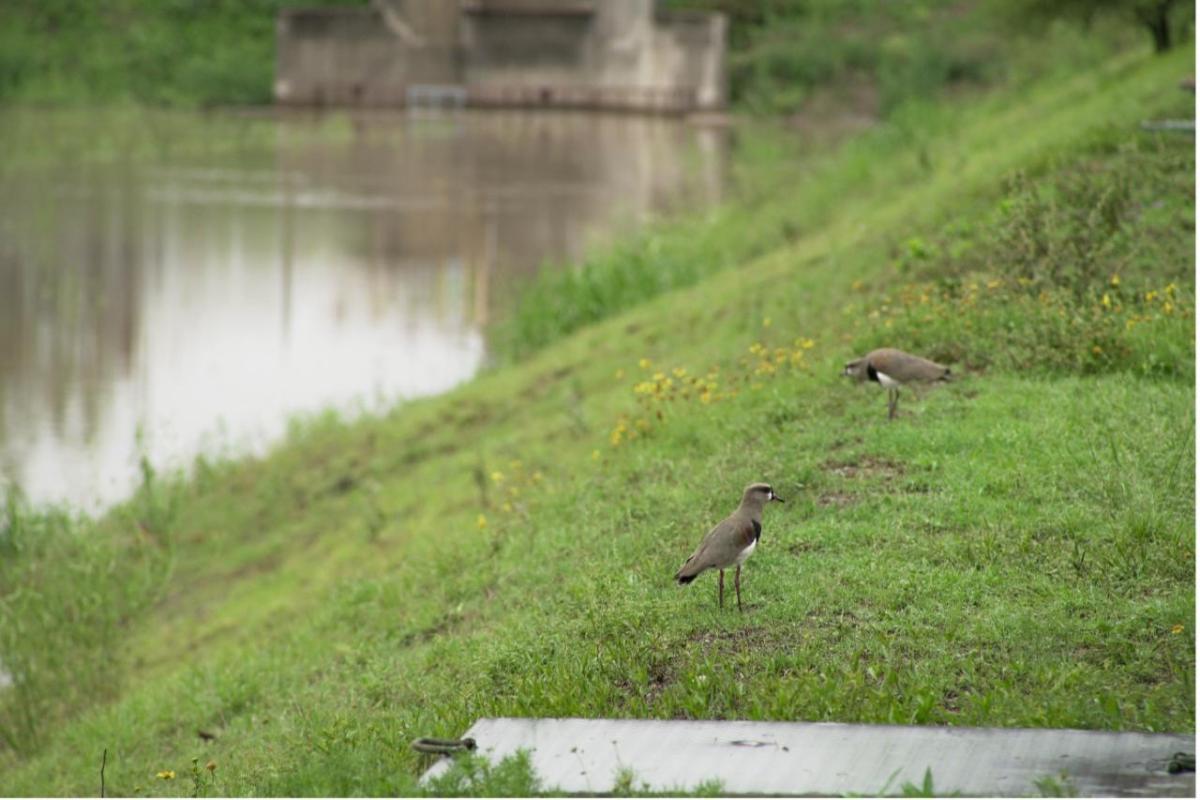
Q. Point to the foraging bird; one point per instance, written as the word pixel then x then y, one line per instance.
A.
pixel 731 542
pixel 891 369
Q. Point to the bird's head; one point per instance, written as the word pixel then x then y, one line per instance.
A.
pixel 759 494
pixel 856 369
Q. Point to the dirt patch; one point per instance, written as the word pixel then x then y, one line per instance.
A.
pixel 865 467
pixel 836 499
pixel 541 385
pixel 469 414
pixel 733 640
pixel 344 484
pixel 745 640
pixel 660 677
pixel 268 563
pixel 832 619
pixel 799 548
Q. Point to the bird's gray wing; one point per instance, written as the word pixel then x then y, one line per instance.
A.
pixel 723 543
pixel 905 367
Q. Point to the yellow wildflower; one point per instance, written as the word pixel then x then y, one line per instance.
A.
pixel 507 507
pixel 595 455
pixel 679 372
pixel 856 285
pixel 644 363
pixel 498 476
pixel 1096 349
pixel 658 376
pixel 1168 307
pixel 210 766
pixel 1106 301
pixel 1177 629
pixel 536 477
pixel 167 775
pixel 619 374
pixel 766 322
pixel 1115 280
pixel 1151 296
pixel 481 522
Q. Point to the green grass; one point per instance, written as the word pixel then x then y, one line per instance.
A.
pixel 1016 550
pixel 872 57
pixel 899 176
pixel 146 52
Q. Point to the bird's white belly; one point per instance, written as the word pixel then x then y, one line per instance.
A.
pixel 742 556
pixel 886 381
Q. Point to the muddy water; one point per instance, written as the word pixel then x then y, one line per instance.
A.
pixel 190 284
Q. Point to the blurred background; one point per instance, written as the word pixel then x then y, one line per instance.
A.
pixel 184 268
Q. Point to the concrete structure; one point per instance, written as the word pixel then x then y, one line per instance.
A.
pixel 619 54
pixel 831 759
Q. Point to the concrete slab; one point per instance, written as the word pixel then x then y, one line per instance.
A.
pixel 579 756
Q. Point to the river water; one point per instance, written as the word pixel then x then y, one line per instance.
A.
pixel 181 284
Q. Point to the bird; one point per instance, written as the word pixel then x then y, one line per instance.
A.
pixel 730 542
pixel 891 369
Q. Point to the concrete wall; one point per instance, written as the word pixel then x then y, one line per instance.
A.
pixel 512 53
pixel 349 57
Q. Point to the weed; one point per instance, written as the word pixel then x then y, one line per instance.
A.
pixel 1056 786
pixel 472 775
pixel 909 789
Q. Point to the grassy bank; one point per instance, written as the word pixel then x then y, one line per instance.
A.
pixel 149 52
pixel 1017 549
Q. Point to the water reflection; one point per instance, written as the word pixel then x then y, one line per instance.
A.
pixel 192 303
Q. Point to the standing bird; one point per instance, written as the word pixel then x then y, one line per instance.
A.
pixel 731 542
pixel 891 369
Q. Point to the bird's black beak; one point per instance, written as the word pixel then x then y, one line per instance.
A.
pixel 776 497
